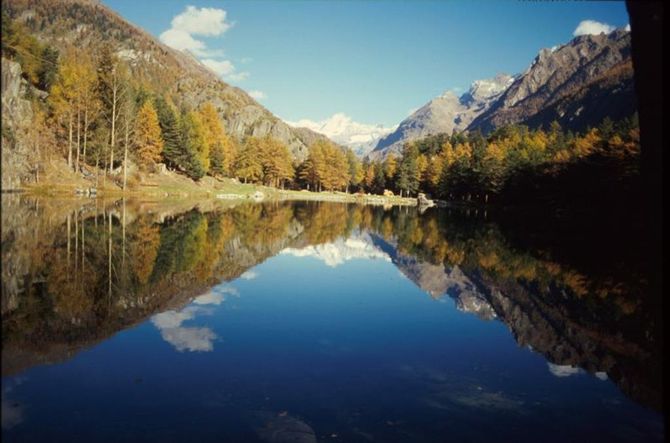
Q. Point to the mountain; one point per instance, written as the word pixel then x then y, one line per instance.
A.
pixel 445 114
pixel 340 128
pixel 578 84
pixel 85 24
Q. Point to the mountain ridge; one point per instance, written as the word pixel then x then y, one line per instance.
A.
pixel 577 83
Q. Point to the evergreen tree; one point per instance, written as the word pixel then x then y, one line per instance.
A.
pixel 174 153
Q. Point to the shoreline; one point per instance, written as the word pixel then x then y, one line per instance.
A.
pixel 233 192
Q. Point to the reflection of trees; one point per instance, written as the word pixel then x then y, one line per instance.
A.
pixel 60 297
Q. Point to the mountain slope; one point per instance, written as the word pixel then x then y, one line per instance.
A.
pixel 340 128
pixel 86 24
pixel 578 84
pixel 444 114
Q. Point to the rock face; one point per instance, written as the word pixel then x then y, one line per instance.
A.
pixel 85 24
pixel 569 83
pixel 16 116
pixel 577 84
pixel 444 114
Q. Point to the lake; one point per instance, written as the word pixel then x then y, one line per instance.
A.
pixel 276 322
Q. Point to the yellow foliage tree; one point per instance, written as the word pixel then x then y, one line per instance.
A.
pixel 149 143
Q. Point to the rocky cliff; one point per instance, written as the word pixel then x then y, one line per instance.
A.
pixel 577 84
pixel 16 117
pixel 444 114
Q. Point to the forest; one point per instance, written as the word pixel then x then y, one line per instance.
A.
pixel 112 125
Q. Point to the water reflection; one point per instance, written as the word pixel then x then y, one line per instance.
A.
pixel 74 275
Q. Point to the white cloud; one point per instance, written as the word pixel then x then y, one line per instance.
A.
pixel 190 339
pixel 201 21
pixel 216 295
pixel 246 60
pixel 183 338
pixel 249 275
pixel 563 370
pixel 258 95
pixel 210 22
pixel 211 298
pixel 220 67
pixel 627 28
pixel 236 77
pixel 182 40
pixel 592 27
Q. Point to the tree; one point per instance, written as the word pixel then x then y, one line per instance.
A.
pixel 407 170
pixel 48 69
pixel 216 139
pixel 355 170
pixel 174 152
pixel 248 165
pixel 63 98
pixel 195 146
pixel 112 87
pixel 276 163
pixel 390 167
pixel 148 140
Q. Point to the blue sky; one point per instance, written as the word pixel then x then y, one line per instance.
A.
pixel 371 60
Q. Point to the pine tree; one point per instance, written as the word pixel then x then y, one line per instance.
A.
pixel 174 154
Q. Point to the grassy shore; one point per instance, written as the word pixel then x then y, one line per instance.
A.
pixel 173 186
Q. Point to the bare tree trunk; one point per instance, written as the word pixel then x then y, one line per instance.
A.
pixel 68 240
pixel 123 235
pixel 76 243
pixel 109 260
pixel 111 153
pixel 85 133
pixel 125 161
pixel 69 144
pixel 83 249
pixel 78 137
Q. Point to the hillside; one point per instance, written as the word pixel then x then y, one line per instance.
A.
pixel 577 84
pixel 86 24
pixel 444 114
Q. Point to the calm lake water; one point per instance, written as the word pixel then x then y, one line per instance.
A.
pixel 299 322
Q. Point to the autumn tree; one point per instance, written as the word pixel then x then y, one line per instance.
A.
pixel 112 85
pixel 248 165
pixel 217 140
pixel 148 140
pixel 195 149
pixel 355 170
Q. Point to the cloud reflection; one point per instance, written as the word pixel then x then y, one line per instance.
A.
pixel 184 338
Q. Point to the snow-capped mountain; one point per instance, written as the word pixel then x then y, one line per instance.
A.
pixel 358 246
pixel 341 129
pixel 445 113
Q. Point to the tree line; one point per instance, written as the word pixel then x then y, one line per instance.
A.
pixel 98 114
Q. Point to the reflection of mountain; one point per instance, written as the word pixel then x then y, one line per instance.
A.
pixel 358 246
pixel 438 280
pixel 59 296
